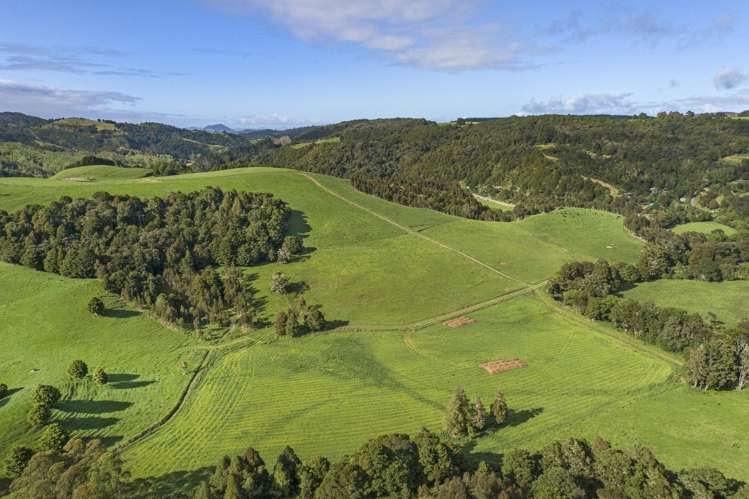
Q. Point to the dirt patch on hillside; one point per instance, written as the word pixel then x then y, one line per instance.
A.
pixel 458 322
pixel 501 365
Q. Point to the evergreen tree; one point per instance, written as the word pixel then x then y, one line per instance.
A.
pixel 78 369
pixel 53 438
pixel 280 323
pixel 478 417
pixel 100 376
pixel 286 473
pixel 458 417
pixel 500 410
pixel 46 395
pixel 39 415
pixel 292 323
pixel 3 390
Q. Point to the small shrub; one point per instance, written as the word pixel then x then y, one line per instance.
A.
pixel 96 306
pixel 100 377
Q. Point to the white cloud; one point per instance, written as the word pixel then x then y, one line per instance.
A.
pixel 728 79
pixel 623 103
pixel 50 102
pixel 432 34
pixel 584 104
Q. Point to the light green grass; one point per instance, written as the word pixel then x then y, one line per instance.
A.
pixel 727 300
pixel 704 228
pixel 327 394
pixel 95 173
pixel 45 326
pixel 369 271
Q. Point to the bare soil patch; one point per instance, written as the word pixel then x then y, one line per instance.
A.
pixel 501 365
pixel 458 322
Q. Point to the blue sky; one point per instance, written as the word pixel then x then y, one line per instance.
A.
pixel 282 63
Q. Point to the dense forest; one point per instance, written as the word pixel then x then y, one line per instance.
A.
pixel 160 252
pixel 619 163
pixel 694 165
pixel 396 465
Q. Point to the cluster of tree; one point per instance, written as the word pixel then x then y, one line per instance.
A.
pixel 74 469
pixel 159 252
pixel 300 319
pixel 447 197
pixel 466 419
pixel 395 465
pixel 425 466
pixel 714 257
pixel 717 358
pixel 93 160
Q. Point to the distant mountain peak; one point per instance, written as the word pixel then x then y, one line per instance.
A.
pixel 219 127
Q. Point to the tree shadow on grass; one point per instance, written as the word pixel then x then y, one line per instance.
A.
pixel 119 313
pixel 120 377
pixel 92 406
pixel 174 484
pixel 88 423
pixel 127 381
pixel 8 395
pixel 517 418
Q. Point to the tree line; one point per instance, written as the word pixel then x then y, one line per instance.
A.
pixel 396 465
pixel 716 358
pixel 160 253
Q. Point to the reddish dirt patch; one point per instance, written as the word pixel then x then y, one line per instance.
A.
pixel 458 322
pixel 501 365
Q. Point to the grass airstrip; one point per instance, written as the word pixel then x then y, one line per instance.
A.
pixel 391 274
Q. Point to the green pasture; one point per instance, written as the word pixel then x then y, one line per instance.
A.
pixel 728 300
pixel 704 228
pixel 327 394
pixel 45 325
pixel 101 172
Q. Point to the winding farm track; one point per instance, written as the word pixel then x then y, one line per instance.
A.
pixel 409 230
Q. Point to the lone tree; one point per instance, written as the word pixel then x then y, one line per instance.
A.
pixel 54 437
pixel 78 369
pixel 458 417
pixel 279 283
pixel 96 306
pixel 46 395
pixel 100 376
pixel 500 409
pixel 3 390
pixel 17 461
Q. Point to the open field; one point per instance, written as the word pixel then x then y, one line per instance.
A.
pixel 45 326
pixel 727 300
pixel 375 265
pixel 329 393
pixel 100 172
pixel 703 227
pixel 378 263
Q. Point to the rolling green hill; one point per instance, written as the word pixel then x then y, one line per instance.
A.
pixel 96 173
pixel 389 275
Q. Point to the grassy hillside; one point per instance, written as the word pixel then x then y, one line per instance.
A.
pixel 45 326
pixel 377 263
pixel 96 173
pixel 727 300
pixel 704 227
pixel 327 394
